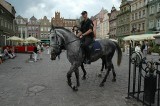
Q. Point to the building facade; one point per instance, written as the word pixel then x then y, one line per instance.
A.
pixel 22 26
pixel 59 21
pixel 101 24
pixel 153 21
pixel 123 19
pixel 45 26
pixel 138 17
pixel 7 23
pixel 113 22
pixel 33 28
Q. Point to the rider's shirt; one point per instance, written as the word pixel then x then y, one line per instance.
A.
pixel 86 25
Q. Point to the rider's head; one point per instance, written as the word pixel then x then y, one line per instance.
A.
pixel 84 14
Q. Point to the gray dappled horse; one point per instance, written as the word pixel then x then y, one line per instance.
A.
pixel 62 38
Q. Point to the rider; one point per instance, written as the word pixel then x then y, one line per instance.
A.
pixel 86 34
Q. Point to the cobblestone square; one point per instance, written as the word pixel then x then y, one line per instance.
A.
pixel 43 83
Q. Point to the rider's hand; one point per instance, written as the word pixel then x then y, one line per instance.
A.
pixel 81 36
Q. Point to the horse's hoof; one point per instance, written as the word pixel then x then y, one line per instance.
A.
pixel 75 88
pixel 101 85
pixel 100 75
pixel 78 85
pixel 83 78
pixel 113 80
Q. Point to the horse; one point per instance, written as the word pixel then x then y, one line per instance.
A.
pixel 62 38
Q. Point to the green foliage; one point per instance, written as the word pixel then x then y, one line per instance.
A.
pixel 155 49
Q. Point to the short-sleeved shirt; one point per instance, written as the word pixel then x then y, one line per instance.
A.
pixel 86 25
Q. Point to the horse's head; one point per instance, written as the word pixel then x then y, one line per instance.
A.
pixel 56 42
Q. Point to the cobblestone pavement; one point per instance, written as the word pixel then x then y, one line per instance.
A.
pixel 44 84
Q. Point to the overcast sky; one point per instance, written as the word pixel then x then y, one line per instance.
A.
pixel 68 8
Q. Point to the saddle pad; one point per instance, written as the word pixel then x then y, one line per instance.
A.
pixel 96 46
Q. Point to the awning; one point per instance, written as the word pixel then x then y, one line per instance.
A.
pixel 140 37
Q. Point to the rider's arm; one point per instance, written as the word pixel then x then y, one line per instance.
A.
pixel 79 34
pixel 88 32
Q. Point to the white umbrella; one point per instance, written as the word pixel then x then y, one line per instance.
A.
pixel 16 39
pixel 32 40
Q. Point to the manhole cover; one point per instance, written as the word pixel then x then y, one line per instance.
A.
pixel 36 88
pixel 17 68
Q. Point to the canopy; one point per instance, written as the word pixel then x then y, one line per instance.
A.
pixel 32 40
pixel 139 37
pixel 157 35
pixel 16 39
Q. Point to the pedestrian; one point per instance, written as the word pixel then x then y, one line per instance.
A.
pixel 35 53
pixel 48 51
pixel 145 50
pixel 137 48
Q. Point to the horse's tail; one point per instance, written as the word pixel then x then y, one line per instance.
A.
pixel 119 53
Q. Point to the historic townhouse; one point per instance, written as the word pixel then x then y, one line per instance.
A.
pixel 113 22
pixel 45 26
pixel 22 26
pixel 101 24
pixel 138 17
pixel 33 27
pixel 153 21
pixel 7 24
pixel 123 19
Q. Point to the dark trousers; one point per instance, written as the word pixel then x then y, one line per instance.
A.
pixel 85 42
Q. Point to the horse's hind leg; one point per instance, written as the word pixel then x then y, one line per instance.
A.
pixel 105 78
pixel 103 66
pixel 114 74
pixel 84 72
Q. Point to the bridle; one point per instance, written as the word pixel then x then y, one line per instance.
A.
pixel 61 45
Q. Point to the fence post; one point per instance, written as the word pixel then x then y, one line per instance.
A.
pixel 129 74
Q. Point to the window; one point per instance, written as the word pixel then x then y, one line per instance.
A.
pixel 1 21
pixel 151 24
pixel 139 27
pixel 5 24
pixel 152 9
pixel 49 28
pixel 143 13
pixel 158 23
pixel 41 28
pixel 140 15
pixel 135 16
pixel 158 7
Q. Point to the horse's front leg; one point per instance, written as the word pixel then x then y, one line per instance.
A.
pixel 84 72
pixel 77 77
pixel 69 75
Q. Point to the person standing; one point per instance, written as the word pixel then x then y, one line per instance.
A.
pixel 35 53
pixel 145 50
pixel 86 35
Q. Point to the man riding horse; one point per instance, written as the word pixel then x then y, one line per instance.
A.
pixel 86 34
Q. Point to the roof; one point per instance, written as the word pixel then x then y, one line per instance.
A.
pixel 19 16
pixel 33 18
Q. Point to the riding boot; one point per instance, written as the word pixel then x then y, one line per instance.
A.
pixel 88 57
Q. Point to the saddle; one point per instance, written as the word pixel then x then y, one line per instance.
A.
pixel 95 47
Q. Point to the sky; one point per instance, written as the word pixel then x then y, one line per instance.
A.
pixel 67 8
